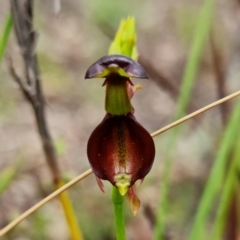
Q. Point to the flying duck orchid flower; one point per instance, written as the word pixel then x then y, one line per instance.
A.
pixel 120 150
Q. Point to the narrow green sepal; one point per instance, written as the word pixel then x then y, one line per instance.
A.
pixel 117 100
pixel 125 40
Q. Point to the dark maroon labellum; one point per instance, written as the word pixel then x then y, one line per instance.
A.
pixel 120 150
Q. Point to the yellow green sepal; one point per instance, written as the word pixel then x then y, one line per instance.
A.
pixel 125 39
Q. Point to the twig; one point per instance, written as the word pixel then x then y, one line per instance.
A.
pixel 88 172
pixel 204 109
pixel 44 201
pixel 22 13
pixel 32 90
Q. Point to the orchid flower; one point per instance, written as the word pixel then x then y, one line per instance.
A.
pixel 120 150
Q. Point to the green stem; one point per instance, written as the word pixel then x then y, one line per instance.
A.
pixel 227 193
pixel 216 177
pixel 118 214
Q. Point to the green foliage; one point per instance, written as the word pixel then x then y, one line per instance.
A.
pixel 229 190
pixel 39 226
pixel 199 39
pixel 8 175
pixel 6 178
pixel 5 35
pixel 215 180
pixel 6 102
pixel 60 146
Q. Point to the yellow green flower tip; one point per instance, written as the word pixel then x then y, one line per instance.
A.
pixel 125 40
pixel 123 182
pixel 123 188
pixel 118 37
pixel 129 31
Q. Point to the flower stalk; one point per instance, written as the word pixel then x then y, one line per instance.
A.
pixel 118 200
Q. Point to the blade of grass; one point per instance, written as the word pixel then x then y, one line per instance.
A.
pixel 215 179
pixel 5 35
pixel 8 175
pixel 200 36
pixel 229 185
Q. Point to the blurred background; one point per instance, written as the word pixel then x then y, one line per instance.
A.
pixel 71 36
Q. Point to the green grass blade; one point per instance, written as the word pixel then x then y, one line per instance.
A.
pixel 216 177
pixel 8 175
pixel 5 35
pixel 200 36
pixel 6 178
pixel 199 40
pixel 229 187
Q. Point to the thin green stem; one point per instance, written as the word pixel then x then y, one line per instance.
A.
pixel 118 214
pixel 216 177
pixel 200 36
pixel 6 32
